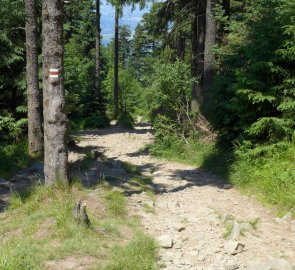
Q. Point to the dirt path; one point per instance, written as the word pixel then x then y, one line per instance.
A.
pixel 192 213
pixel 199 224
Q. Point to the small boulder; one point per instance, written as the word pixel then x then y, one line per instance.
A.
pixel 233 247
pixel 227 186
pixel 165 241
pixel 113 122
pixel 179 227
pixel 231 265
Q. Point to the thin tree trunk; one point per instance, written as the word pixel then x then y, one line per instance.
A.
pixel 97 47
pixel 226 7
pixel 181 47
pixel 116 65
pixel 35 134
pixel 210 41
pixel 198 49
pixel 55 120
pixel 223 27
pixel 13 98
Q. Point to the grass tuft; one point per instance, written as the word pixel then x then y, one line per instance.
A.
pixel 131 168
pixel 140 254
pixel 116 203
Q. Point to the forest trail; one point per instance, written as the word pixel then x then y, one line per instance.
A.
pixel 199 222
pixel 191 212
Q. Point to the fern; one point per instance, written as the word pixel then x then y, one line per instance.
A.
pixel 10 128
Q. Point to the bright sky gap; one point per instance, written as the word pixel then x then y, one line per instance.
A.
pixel 130 17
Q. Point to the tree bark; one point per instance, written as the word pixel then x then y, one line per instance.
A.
pixel 116 65
pixel 210 41
pixel 97 47
pixel 181 47
pixel 198 49
pixel 35 134
pixel 55 120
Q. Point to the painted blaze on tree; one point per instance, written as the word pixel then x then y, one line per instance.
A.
pixel 55 120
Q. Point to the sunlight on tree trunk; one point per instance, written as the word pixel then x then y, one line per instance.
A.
pixel 210 41
pixel 55 120
pixel 198 49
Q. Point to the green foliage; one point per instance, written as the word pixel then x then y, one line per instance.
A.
pixel 126 120
pixel 13 157
pixel 11 129
pixel 267 171
pixel 191 151
pixel 170 89
pixel 12 55
pixel 85 100
pixel 131 93
pixel 254 93
pixel 96 121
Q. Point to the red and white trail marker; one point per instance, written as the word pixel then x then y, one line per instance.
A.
pixel 54 73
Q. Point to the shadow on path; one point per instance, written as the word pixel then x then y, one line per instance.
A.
pixel 92 168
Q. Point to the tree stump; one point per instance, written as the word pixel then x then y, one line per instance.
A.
pixel 80 214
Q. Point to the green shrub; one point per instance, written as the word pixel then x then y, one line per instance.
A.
pixel 93 121
pixel 96 121
pixel 126 120
pixel 13 157
pixel 10 128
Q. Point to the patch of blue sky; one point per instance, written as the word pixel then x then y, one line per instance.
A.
pixel 131 17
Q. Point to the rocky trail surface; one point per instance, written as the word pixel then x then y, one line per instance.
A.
pixel 200 222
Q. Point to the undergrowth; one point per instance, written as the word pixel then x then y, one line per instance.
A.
pixel 139 254
pixel 13 157
pixel 38 227
pixel 267 171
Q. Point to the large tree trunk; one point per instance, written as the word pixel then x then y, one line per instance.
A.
pixel 55 120
pixel 210 41
pixel 198 49
pixel 116 65
pixel 35 134
pixel 97 47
